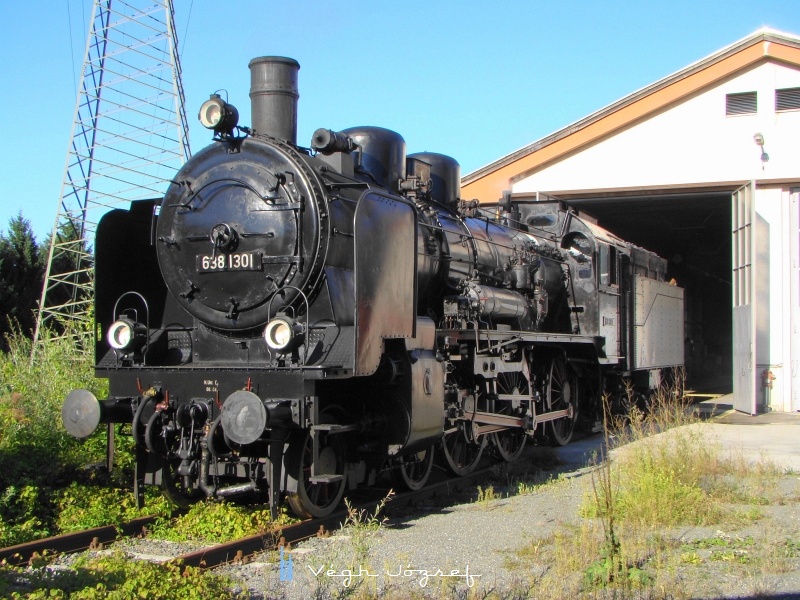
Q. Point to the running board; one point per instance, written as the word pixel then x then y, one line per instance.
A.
pixel 334 428
pixel 326 478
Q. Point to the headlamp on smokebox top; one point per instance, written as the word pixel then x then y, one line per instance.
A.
pixel 218 115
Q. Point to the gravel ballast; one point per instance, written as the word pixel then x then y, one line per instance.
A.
pixel 472 547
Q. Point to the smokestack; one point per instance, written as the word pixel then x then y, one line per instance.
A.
pixel 273 97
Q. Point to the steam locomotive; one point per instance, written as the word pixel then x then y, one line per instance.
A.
pixel 295 322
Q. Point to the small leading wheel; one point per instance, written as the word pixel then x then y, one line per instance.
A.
pixel 562 394
pixel 461 452
pixel 181 491
pixel 413 470
pixel 511 442
pixel 319 497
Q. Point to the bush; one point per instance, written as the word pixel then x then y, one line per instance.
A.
pixel 33 444
pixel 218 522
pixel 83 507
pixel 20 515
pixel 37 455
pixel 113 576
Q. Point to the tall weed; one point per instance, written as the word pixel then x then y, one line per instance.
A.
pixel 664 473
pixel 647 484
pixel 36 453
pixel 32 440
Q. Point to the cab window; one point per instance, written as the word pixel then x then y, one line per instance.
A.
pixel 580 249
pixel 608 265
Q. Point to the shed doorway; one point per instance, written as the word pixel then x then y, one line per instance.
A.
pixel 692 230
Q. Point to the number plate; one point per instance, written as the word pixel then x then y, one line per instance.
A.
pixel 238 261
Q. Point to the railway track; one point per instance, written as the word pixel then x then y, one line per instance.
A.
pixel 242 549
pixel 239 550
pixel 73 542
pixel 571 457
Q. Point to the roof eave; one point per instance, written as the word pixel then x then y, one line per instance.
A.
pixel 763 36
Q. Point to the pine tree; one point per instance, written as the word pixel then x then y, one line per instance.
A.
pixel 21 277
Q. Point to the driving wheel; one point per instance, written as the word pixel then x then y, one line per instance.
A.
pixel 562 394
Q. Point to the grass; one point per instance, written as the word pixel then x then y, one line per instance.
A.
pixel 486 496
pixel 664 478
pixel 538 470
pixel 43 470
pixel 51 483
pixel 111 576
pixel 215 522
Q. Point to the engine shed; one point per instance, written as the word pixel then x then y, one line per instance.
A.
pixel 703 168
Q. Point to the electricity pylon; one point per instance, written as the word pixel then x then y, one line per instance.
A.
pixel 129 137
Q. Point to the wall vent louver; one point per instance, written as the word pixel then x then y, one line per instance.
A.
pixel 745 103
pixel 787 99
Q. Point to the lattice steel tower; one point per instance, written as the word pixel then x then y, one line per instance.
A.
pixel 129 137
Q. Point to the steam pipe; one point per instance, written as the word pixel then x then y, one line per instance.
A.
pixel 211 490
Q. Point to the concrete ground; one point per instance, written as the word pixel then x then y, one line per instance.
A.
pixel 774 435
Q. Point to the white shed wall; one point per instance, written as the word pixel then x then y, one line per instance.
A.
pixel 792 377
pixel 690 142
pixel 772 295
pixel 779 310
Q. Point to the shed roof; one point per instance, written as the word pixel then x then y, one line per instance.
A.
pixel 488 182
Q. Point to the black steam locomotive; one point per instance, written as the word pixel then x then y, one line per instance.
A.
pixel 298 322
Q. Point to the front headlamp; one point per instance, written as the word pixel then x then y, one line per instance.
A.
pixel 218 115
pixel 126 335
pixel 283 334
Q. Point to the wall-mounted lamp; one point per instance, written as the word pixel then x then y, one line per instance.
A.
pixel 759 140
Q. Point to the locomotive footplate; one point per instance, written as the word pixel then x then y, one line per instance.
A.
pixel 490 345
pixel 215 386
pixel 498 338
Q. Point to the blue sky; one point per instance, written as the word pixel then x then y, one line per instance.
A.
pixel 472 79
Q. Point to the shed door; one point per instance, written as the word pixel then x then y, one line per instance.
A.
pixel 794 316
pixel 744 317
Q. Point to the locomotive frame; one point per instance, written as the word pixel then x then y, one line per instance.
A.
pixel 297 322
